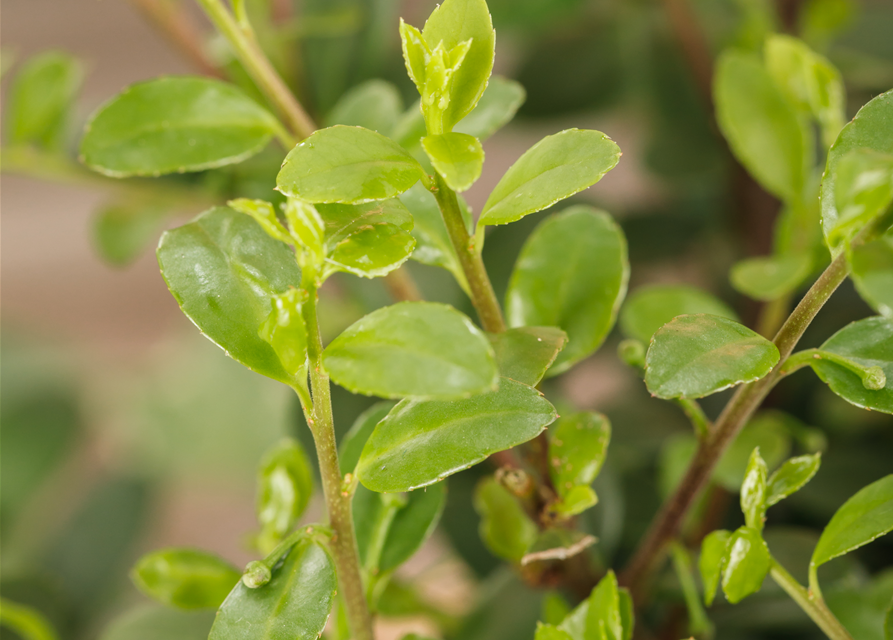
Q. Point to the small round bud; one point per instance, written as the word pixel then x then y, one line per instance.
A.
pixel 632 352
pixel 257 574
pixel 874 378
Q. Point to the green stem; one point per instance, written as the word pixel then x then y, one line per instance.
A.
pixel 482 295
pixel 815 608
pixel 25 621
pixel 695 415
pixel 872 377
pixel 698 622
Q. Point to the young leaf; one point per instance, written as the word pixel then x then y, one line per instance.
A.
pixel 351 165
pixel 869 343
pixel 374 104
pixel 294 605
pixel 413 524
pixel 526 353
pixel 354 440
pixel 578 445
pixel 496 108
pixel 122 231
pixel 206 265
pixel 770 277
pixel 696 355
pixel 422 442
pixel 306 227
pixel 747 564
pixel 872 273
pixel 175 124
pixel 649 308
pixel 40 100
pixel 753 491
pixel 572 274
pixel 265 215
pixel 284 330
pixel 862 518
pixel 550 632
pixel 863 191
pixel 157 622
pixel 185 578
pixel 791 477
pixel 603 619
pixel 415 349
pixel 284 487
pixel 575 501
pixel 712 562
pixel 458 157
pixel 505 527
pixel 555 168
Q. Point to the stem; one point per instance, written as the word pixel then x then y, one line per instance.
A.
pixel 695 415
pixel 259 67
pixel 402 286
pixel 338 502
pixel 772 316
pixel 815 608
pixel 482 295
pixel 737 412
pixel 872 377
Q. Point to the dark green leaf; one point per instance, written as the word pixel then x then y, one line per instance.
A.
pixel 121 232
pixel 284 487
pixel 175 124
pixel 791 477
pixel 872 273
pixel 578 445
pixel 753 491
pixel 603 619
pixel 770 277
pixel 458 157
pixel 354 440
pixel 555 168
pixel 712 562
pixel 412 525
pixel 159 623
pixel 421 442
pixel 696 355
pixel 526 353
pixel 375 105
pixel 224 271
pixel 185 578
pixel 651 307
pixel 747 564
pixel 572 274
pixel 496 108
pixel 505 527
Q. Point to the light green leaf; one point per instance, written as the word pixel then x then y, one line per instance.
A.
pixel 185 578
pixel 505 527
pixel 415 54
pixel 294 605
pixel 224 271
pixel 869 343
pixel 578 445
pixel 550 632
pixel 40 100
pixel 159 623
pixel 575 501
pixel 572 274
pixel 306 227
pixel 526 353
pixel 791 477
pixel 554 608
pixel 712 562
pixel 265 215
pixel 122 231
pixel 374 104
pixel 872 273
pixel 458 157
pixel 284 330
pixel 175 124
pixel 350 165
pixel 754 491
pixel 747 564
pixel 416 349
pixel 770 277
pixel 697 355
pixel 555 168
pixel 760 124
pixel 863 191
pixel 496 108
pixel 421 442
pixel 863 518
pixel 354 440
pixel 575 622
pixel 627 614
pixel 603 619
pixel 284 487
pixel 888 623
pixel 649 308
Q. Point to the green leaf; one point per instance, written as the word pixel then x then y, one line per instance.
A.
pixel 578 445
pixel 354 440
pixel 293 605
pixel 554 608
pixel 159 623
pixel 575 501
pixel 864 517
pixel 496 108
pixel 603 620
pixel 555 168
pixel 760 124
pixel 754 491
pixel 416 349
pixel 888 623
pixel 747 565
pixel 458 157
pixel 863 191
pixel 526 353
pixel 575 622
pixel 40 100
pixel 284 330
pixel 413 524
pixel 224 271
pixel 696 355
pixel 284 487
pixel 791 477
pixel 455 22
pixel 122 231
pixel 868 130
pixel 872 273
pixel 771 277
pixel 627 614
pixel 265 215
pixel 307 228
pixel 649 308
pixel 712 562
pixel 374 104
pixel 175 124
pixel 350 165
pixel 185 578
pixel 549 632
pixel 505 527
pixel 422 442
pixel 572 274
pixel 869 343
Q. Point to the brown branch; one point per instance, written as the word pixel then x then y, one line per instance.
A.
pixel 172 20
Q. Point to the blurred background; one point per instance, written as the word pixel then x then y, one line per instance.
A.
pixel 124 430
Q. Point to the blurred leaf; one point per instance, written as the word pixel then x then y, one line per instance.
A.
pixel 555 608
pixel 712 562
pixel 603 619
pixel 525 354
pixel 507 610
pixel 822 20
pixel 698 622
pixel 863 610
pixel 353 442
pixel 284 488
pixel 27 623
pixel 872 273
pixel 791 477
pixel 159 623
pixel 185 578
pixel 505 527
pixel 458 157
pixel 122 231
pixel 496 108
pixel 863 192
pixel 550 632
pixel 770 277
pixel 578 445
pixel 649 308
pixel 747 565
pixel 413 525
pixel 374 104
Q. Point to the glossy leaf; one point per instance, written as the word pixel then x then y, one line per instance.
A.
pixel 770 277
pixel 869 343
pixel 550 632
pixel 185 578
pixel 696 355
pixel 575 501
pixel 505 527
pixel 496 108
pixel 175 124
pixel 458 157
pixel 284 487
pixel 754 491
pixel 374 104
pixel 747 564
pixel 555 168
pixel 863 191
pixel 350 165
pixel 526 353
pixel 122 231
pixel 578 445
pixel 159 623
pixel 417 349
pixel 224 271
pixel 284 330
pixel 712 562
pixel 354 440
pixel 872 273
pixel 649 308
pixel 421 442
pixel 760 124
pixel 572 274
pixel 862 518
pixel 294 605
pixel 307 228
pixel 791 477
pixel 265 215
pixel 603 620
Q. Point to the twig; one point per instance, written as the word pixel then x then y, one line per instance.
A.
pixel 174 22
